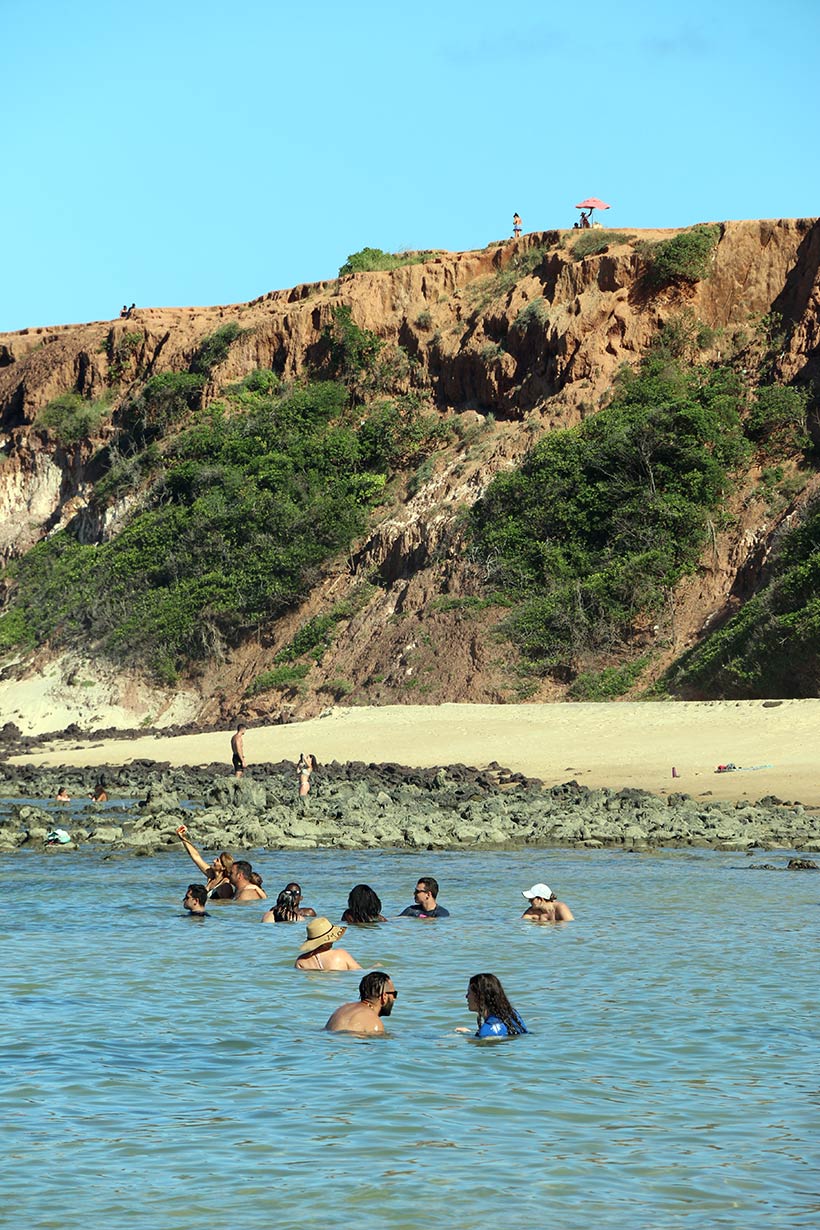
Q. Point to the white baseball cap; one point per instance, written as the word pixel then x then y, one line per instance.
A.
pixel 538 890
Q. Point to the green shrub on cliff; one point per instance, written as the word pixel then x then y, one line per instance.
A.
pixel 374 260
pixel 594 242
pixel 71 417
pixel 772 646
pixel 683 258
pixel 245 507
pixel 590 534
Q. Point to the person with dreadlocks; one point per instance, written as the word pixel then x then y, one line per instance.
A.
pixel 495 1015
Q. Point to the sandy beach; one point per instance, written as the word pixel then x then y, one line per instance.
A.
pixel 772 743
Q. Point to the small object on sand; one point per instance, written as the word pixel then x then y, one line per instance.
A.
pixel 57 837
pixel 675 773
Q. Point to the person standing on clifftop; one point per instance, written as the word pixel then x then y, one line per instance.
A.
pixel 516 226
pixel 237 750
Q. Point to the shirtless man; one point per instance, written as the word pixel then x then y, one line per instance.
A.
pixel 377 996
pixel 318 952
pixel 244 888
pixel 237 750
pixel 544 906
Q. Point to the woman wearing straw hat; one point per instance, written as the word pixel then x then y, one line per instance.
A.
pixel 318 952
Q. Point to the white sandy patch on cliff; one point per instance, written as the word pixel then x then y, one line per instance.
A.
pixel 620 744
pixel 71 688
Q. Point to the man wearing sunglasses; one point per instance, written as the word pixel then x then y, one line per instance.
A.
pixel 377 996
pixel 425 904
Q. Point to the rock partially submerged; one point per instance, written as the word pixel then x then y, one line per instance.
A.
pixel 361 806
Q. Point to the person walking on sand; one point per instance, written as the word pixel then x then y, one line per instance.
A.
pixel 238 750
pixel 377 995
pixel 318 952
pixel 544 905
pixel 516 226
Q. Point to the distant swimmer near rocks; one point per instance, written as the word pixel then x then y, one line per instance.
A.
pixel 377 995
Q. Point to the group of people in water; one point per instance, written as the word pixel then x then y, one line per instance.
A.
pixel 229 879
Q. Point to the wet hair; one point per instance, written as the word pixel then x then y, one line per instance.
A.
pixel 256 879
pixel 363 905
pixel 244 868
pixel 429 883
pixel 198 892
pixel 492 1001
pixel 373 984
pixel 285 909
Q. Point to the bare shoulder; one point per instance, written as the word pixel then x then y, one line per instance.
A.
pixel 355 1019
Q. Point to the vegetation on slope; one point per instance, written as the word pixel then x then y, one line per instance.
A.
pixel 601 521
pixel 246 503
pixel 772 646
pixel 371 260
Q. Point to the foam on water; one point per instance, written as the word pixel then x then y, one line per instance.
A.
pixel 159 1070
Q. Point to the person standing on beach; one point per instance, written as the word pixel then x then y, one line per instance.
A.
pixel 238 750
pixel 377 995
pixel 544 905
pixel 304 768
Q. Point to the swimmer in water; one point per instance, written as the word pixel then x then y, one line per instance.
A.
pixel 544 905
pixel 318 952
pixel 495 1015
pixel 194 900
pixel 377 995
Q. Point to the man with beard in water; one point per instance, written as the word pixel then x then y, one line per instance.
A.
pixel 377 996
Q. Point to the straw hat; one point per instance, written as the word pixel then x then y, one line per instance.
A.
pixel 321 931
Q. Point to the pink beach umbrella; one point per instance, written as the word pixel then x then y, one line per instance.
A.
pixel 591 203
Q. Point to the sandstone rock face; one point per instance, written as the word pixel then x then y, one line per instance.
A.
pixel 520 329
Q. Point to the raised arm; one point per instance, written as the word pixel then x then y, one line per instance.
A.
pixel 192 851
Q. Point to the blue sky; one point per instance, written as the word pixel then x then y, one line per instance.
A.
pixel 174 153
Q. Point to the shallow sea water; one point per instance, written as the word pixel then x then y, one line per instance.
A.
pixel 160 1071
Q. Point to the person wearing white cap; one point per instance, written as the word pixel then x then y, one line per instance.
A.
pixel 544 906
pixel 318 952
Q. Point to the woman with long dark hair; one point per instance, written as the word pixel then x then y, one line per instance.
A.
pixel 495 1015
pixel 363 906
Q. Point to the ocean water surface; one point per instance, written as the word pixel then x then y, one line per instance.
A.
pixel 161 1071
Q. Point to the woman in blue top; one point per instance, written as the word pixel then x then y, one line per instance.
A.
pixel 495 1015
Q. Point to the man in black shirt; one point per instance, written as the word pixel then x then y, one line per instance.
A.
pixel 425 905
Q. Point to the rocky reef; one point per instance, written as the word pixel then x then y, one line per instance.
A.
pixel 359 806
